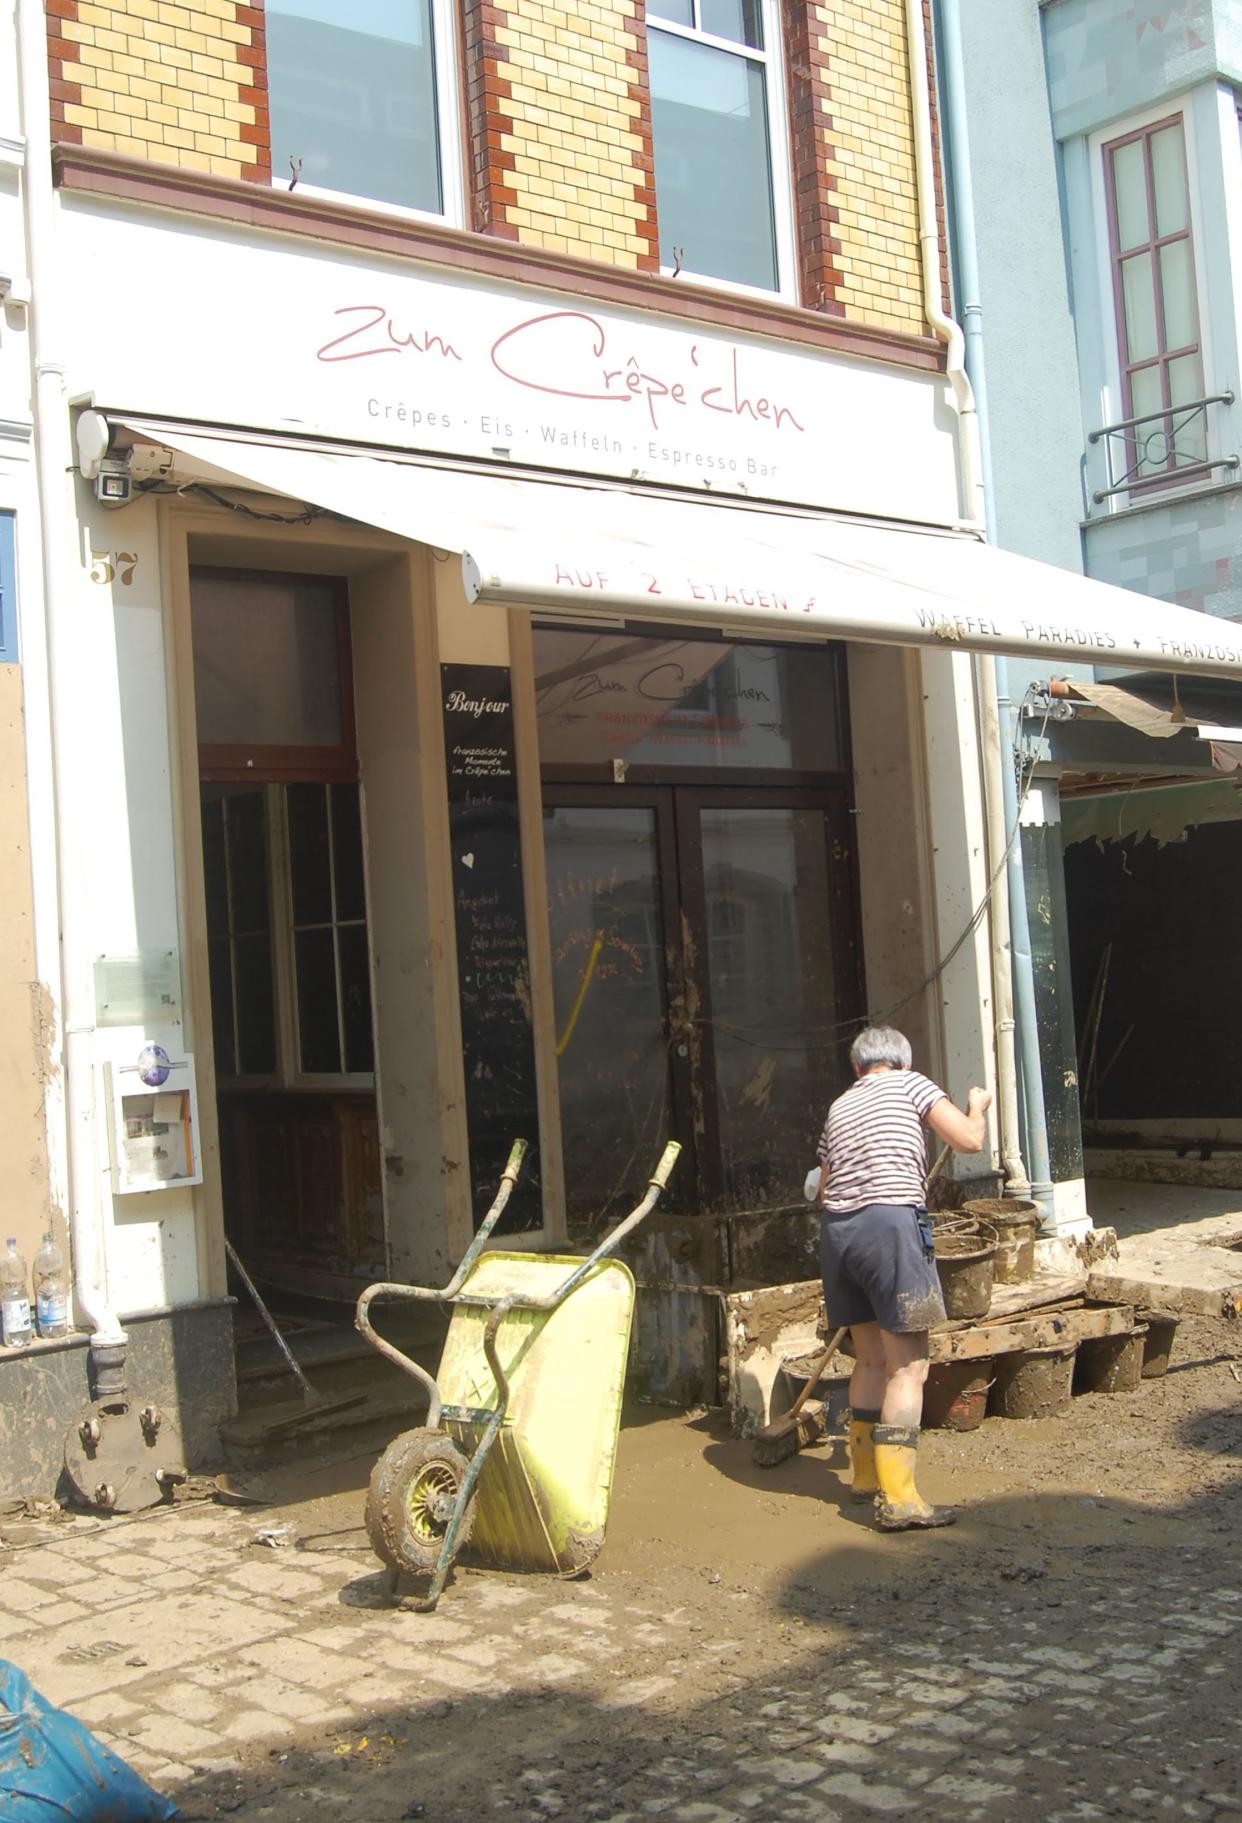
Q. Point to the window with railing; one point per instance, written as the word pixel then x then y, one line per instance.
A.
pixel 1164 426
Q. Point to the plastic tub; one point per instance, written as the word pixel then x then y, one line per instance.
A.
pixel 1017 1223
pixel 956 1395
pixel 965 1262
pixel 1110 1364
pixel 1032 1383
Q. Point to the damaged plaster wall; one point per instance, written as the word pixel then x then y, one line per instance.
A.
pixel 24 1015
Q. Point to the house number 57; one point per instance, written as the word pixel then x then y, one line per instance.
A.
pixel 111 566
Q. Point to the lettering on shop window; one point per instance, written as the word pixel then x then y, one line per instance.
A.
pixel 490 921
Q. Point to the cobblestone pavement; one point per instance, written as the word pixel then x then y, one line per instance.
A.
pixel 1058 1657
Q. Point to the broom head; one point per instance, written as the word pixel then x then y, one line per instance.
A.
pixel 784 1437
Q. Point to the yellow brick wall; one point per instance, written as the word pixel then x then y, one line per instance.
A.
pixel 559 120
pixel 180 84
pixel 869 163
pixel 559 106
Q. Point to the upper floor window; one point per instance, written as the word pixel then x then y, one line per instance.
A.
pixel 354 96
pixel 717 119
pixel 1159 341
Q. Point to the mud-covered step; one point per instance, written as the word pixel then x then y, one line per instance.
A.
pixel 323 1345
pixel 347 1394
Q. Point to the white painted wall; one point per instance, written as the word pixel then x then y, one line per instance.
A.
pixel 959 882
pixel 119 874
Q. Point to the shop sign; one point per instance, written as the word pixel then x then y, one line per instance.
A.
pixel 276 335
pixel 489 913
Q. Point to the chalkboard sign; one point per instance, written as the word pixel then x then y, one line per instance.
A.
pixel 492 969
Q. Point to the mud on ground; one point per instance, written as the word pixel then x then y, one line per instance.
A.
pixel 729 1586
pixel 747 1646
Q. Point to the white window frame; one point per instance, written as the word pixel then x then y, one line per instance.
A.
pixel 448 127
pixel 1111 391
pixel 772 57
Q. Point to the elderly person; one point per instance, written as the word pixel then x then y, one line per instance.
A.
pixel 879 1269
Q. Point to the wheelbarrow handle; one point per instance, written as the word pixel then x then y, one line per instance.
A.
pixel 668 1158
pixel 428 1294
pixel 655 1185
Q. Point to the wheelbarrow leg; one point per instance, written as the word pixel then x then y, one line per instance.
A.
pixel 448 1548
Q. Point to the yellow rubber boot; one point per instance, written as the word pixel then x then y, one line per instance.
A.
pixel 865 1485
pixel 901 1508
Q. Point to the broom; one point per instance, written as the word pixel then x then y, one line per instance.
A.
pixel 800 1428
pixel 803 1424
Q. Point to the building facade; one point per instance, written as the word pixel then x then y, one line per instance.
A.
pixel 510 572
pixel 1115 443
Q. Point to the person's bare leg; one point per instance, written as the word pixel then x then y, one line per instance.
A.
pixel 867 1383
pixel 905 1368
pixel 870 1375
pixel 900 1506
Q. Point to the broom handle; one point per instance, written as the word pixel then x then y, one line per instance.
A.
pixel 820 1365
pixel 308 1391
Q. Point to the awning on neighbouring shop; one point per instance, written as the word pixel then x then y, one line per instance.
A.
pixel 567 546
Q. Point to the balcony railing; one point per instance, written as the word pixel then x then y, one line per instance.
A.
pixel 1172 452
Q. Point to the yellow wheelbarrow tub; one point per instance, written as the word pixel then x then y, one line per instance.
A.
pixel 544 1491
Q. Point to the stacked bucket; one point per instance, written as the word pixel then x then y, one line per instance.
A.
pixel 991 1241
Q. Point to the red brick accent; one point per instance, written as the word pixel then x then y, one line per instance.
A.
pixel 647 231
pixel 810 124
pixel 254 93
pixel 63 65
pixel 487 119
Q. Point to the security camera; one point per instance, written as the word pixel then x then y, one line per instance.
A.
pixel 113 484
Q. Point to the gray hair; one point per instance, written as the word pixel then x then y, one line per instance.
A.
pixel 880 1044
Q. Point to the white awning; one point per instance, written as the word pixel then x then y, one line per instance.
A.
pixel 568 547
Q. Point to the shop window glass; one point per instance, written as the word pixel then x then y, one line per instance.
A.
pixel 239 929
pixel 267 661
pixel 253 839
pixel 353 99
pixel 674 703
pixel 329 930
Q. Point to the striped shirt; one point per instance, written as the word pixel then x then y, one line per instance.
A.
pixel 873 1143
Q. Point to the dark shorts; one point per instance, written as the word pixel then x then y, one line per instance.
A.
pixel 876 1270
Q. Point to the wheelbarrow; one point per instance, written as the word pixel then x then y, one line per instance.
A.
pixel 517 1453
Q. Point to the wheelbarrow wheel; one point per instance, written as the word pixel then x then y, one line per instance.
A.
pixel 414 1487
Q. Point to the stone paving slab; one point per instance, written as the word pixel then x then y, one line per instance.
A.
pixel 275 1686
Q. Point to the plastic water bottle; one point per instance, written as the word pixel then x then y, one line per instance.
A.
pixel 51 1289
pixel 14 1298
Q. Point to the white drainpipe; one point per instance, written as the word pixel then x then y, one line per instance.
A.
pixel 974 518
pixel 54 457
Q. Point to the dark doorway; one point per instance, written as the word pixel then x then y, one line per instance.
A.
pixel 701 898
pixel 287 927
